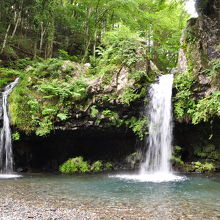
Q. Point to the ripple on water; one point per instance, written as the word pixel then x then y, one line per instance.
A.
pixel 9 176
pixel 151 177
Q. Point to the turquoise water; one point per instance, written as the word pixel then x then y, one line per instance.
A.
pixel 197 197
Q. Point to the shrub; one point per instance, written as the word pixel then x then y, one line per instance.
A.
pixel 108 165
pixel 138 126
pixel 202 167
pixel 176 157
pixel 78 165
pixel 207 108
pixel 74 165
pixel 209 152
pixel 97 166
pixel 16 136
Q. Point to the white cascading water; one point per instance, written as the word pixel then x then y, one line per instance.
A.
pixel 6 154
pixel 157 165
pixel 159 141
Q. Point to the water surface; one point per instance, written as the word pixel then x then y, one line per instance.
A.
pixel 197 197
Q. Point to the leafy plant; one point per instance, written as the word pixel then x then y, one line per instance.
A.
pixel 7 76
pixel 74 165
pixel 94 111
pixel 97 166
pixel 207 108
pixel 184 105
pixel 108 165
pixel 176 157
pixel 16 136
pixel 208 152
pixel 200 167
pixel 110 115
pixel 139 126
pixel 78 165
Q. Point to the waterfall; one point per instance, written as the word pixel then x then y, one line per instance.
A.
pixel 159 141
pixel 156 166
pixel 6 155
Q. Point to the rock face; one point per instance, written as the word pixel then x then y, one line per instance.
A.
pixel 201 38
pixel 197 82
pixel 200 52
pixel 35 153
pixel 64 109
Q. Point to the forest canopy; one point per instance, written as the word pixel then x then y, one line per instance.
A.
pixel 74 29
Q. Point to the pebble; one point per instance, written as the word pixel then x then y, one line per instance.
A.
pixel 20 204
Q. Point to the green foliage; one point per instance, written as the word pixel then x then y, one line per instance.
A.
pixel 120 48
pixel 176 157
pixel 207 108
pixel 108 165
pixel 74 165
pixel 21 64
pixel 44 126
pixel 111 116
pixel 97 166
pixel 139 76
pixel 16 136
pixel 202 167
pixel 130 95
pixel 184 105
pixel 214 72
pixel 72 29
pixel 78 165
pixel 138 126
pixel 94 111
pixel 7 76
pixel 62 116
pixel 208 152
pixel 178 149
pixel 177 161
pixel 45 95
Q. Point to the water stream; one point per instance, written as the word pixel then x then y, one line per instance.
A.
pixel 157 166
pixel 159 141
pixel 6 154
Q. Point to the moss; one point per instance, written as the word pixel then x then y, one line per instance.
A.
pixel 52 91
pixel 44 96
pixel 7 76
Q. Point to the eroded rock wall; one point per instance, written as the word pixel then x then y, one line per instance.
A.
pixel 197 85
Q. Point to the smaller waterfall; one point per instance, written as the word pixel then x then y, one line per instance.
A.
pixel 6 155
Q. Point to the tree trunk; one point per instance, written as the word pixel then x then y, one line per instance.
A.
pixel 17 19
pixel 95 42
pixel 16 24
pixel 42 37
pixel 5 39
pixel 35 50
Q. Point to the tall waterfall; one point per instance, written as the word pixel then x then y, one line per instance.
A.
pixel 157 167
pixel 159 141
pixel 6 155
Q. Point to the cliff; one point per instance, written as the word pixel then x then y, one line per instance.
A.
pixel 197 86
pixel 198 80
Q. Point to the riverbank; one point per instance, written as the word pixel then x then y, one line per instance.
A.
pixel 26 207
